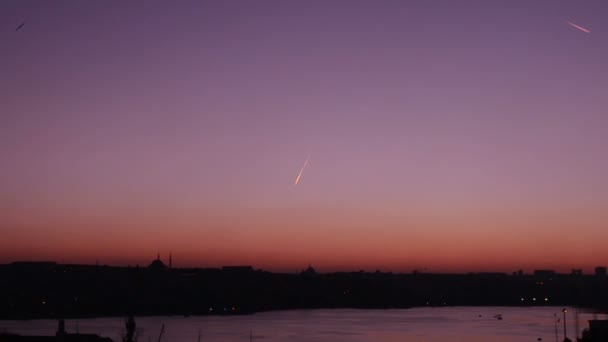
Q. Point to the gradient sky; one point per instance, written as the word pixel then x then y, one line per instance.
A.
pixel 443 135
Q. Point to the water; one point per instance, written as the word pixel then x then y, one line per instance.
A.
pixel 417 325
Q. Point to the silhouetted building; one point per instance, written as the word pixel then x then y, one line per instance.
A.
pixel 237 270
pixel 36 266
pixel 576 272
pixel 600 271
pixel 310 271
pixel 544 273
pixel 157 265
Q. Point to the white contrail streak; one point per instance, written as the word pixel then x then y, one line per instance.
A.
pixel 580 28
pixel 301 171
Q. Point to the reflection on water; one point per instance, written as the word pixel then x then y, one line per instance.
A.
pixel 419 324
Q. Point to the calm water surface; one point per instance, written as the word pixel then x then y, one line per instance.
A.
pixel 419 324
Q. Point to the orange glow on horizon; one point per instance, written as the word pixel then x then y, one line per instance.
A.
pixel 333 240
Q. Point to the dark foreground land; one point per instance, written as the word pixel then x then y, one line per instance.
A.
pixel 49 290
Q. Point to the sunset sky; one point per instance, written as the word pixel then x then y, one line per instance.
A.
pixel 451 136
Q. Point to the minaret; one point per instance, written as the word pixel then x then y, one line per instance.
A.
pixel 158 256
pixel 170 260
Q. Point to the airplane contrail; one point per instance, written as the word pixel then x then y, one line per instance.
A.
pixel 301 171
pixel 580 28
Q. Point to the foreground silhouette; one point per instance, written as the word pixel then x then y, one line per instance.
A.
pixel 60 336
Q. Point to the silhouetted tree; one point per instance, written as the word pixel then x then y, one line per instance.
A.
pixel 130 334
pixel 586 337
pixel 61 328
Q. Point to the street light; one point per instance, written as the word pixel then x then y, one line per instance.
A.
pixel 555 320
pixel 566 339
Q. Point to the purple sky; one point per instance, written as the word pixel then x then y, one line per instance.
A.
pixel 449 135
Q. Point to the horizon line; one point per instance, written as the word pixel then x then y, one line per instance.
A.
pixel 577 271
